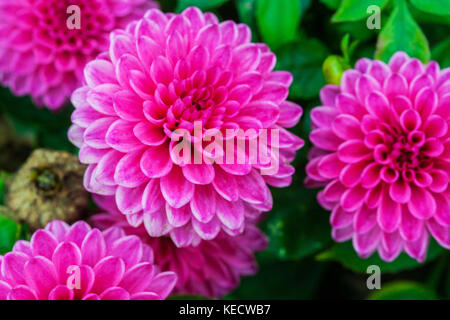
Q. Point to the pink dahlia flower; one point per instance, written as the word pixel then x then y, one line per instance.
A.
pixel 382 151
pixel 167 73
pixel 41 56
pixel 210 269
pixel 77 262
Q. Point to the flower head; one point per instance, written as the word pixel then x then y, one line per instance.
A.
pixel 167 74
pixel 382 151
pixel 210 268
pixel 42 55
pixel 77 262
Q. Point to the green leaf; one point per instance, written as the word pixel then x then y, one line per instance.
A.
pixel 3 177
pixel 346 255
pixel 9 233
pixel 304 60
pixel 278 21
pixel 202 4
pixel 246 10
pixel 440 7
pixel 281 280
pixel 354 10
pixel 440 53
pixel 332 4
pixel 290 239
pixel 402 33
pixel 403 290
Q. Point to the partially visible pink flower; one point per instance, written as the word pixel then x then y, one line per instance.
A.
pixel 166 72
pixel 210 268
pixel 77 262
pixel 40 56
pixel 382 151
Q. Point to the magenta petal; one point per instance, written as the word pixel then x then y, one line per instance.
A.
pixel 66 254
pixel 163 283
pixel 231 214
pixel 176 189
pixel 22 293
pixel 422 204
pixel 225 184
pixel 178 217
pixel 152 198
pixel 252 188
pixel 207 231
pixel 115 293
pixel 41 276
pixel 156 162
pixel 389 214
pixel 43 243
pixel 128 248
pixel 93 248
pixel 129 200
pixel 13 266
pixel 411 228
pixel 149 134
pixel 138 278
pixel 120 136
pixel 156 223
pixel 199 173
pixel 128 171
pixel 203 203
pixel 108 273
pixel 61 292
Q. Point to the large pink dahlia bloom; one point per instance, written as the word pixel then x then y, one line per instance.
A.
pixel 211 268
pixel 382 151
pixel 166 73
pixel 42 57
pixel 78 262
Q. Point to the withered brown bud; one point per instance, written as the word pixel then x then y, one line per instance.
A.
pixel 49 186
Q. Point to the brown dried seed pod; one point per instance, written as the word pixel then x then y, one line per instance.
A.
pixel 49 186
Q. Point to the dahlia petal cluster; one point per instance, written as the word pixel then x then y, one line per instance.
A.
pixel 42 57
pixel 104 265
pixel 211 268
pixel 165 73
pixel 382 151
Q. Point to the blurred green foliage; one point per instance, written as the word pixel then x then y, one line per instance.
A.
pixel 302 262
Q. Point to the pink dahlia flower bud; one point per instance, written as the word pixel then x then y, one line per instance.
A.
pixel 183 122
pixel 210 268
pixel 382 151
pixel 77 262
pixel 45 44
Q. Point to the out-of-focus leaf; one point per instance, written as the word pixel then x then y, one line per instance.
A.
pixel 354 10
pixel 46 128
pixel 278 21
pixel 281 280
pixel 202 4
pixel 402 33
pixel 333 68
pixel 304 60
pixel 246 10
pixel 403 290
pixel 9 233
pixel 3 177
pixel 440 7
pixel 297 226
pixel 346 255
pixel 425 17
pixel 332 4
pixel 440 53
